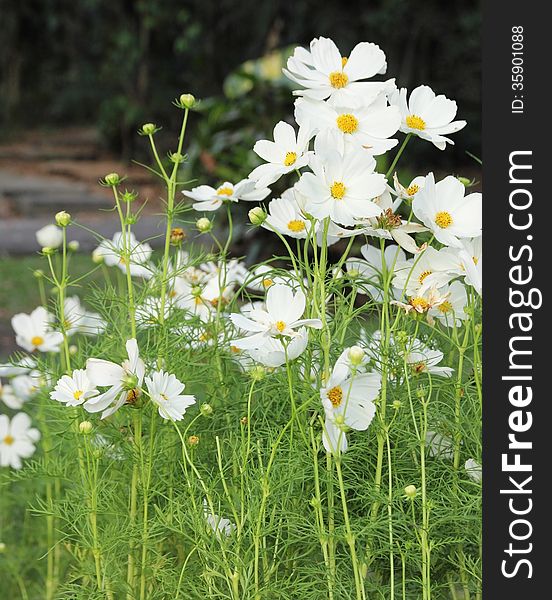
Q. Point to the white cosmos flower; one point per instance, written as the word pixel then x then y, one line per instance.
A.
pixel 113 253
pixel 148 312
pixel 261 277
pixel 447 212
pixel 423 359
pixel 17 440
pixel 348 401
pixel 428 116
pixel 325 73
pixel 74 390
pixel 219 525
pixel 471 263
pixel 341 186
pixel 439 446
pixel 207 198
pixel 26 386
pixel 50 236
pixel 282 317
pixel 165 391
pixel 367 127
pixel 8 397
pixel 273 353
pixel 21 367
pixel 408 192
pixel 80 320
pixel 34 331
pixel 451 312
pixel 473 469
pixel 124 381
pixel 433 268
pixel 390 226
pixel 423 302
pixel 285 217
pixel 285 154
pixel 366 271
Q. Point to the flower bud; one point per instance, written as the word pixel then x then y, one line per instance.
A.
pixel 129 196
pixel 73 246
pixel 48 251
pixel 397 404
pixel 176 157
pixel 177 236
pixel 193 440
pixel 257 215
pixel 243 420
pixel 97 257
pixel 339 420
pixel 187 101
pixel 257 373
pixel 85 427
pixel 2 547
pixel 204 225
pixel 148 129
pixel 206 409
pixel 63 218
pixel 73 350
pixel 38 274
pixel 465 181
pixel 410 491
pixel 112 179
pixel 129 381
pixel 356 355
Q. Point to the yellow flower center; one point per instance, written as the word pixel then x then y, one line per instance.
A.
pixel 347 123
pixel 338 79
pixel 290 159
pixel 423 275
pixel 8 440
pixel 445 307
pixel 443 219
pixel 225 191
pixel 344 61
pixel 420 304
pixel 267 282
pixel 235 350
pixel 77 394
pixel 335 396
pixel 337 190
pixel 415 122
pixel 475 260
pixel 419 367
pixel 280 326
pixel 37 340
pixel 296 226
pixel 413 189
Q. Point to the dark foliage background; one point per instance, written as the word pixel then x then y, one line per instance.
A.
pixel 118 63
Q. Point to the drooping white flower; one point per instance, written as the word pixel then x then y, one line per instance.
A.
pixel 26 386
pixel 451 312
pixel 439 446
pixel 50 236
pixel 218 524
pixel 273 353
pixel 471 263
pixel 341 186
pixel 367 128
pixel 447 212
pixel 114 252
pixel 367 271
pixel 428 116
pixel 408 192
pixel 473 469
pixel 124 381
pixel 285 154
pixel 8 397
pixel 17 440
pixel 284 309
pixel 207 198
pixel 348 401
pixel 80 320
pixel 325 73
pixel 148 312
pixel 74 390
pixel 165 391
pixel 34 331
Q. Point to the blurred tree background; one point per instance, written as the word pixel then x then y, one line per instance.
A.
pixel 114 64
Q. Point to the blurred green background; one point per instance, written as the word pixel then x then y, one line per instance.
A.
pixel 114 64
